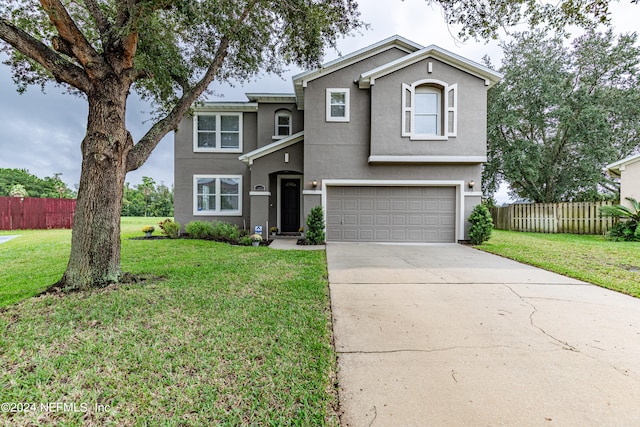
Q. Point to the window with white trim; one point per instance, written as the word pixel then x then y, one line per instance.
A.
pixel 337 104
pixel 217 195
pixel 429 110
pixel 283 124
pixel 217 132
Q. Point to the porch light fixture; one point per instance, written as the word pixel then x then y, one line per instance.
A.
pixel 472 183
pixel 314 183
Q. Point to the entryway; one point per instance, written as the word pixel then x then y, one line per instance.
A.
pixel 289 204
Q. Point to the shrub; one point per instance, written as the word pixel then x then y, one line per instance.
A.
pixel 170 228
pixel 225 232
pixel 481 225
pixel 200 230
pixel 627 227
pixel 315 226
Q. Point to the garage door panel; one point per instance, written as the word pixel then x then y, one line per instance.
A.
pixel 402 214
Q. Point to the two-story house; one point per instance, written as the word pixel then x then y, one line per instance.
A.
pixel 389 140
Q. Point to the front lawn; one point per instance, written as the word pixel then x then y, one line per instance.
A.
pixel 612 265
pixel 216 335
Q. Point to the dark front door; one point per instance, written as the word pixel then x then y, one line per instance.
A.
pixel 290 205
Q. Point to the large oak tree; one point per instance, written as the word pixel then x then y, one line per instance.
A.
pixel 170 51
pixel 561 114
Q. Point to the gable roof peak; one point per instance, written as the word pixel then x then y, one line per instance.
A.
pixel 301 80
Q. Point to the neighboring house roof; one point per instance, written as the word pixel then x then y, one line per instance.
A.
pixel 619 166
pixel 249 157
pixel 489 76
pixel 300 80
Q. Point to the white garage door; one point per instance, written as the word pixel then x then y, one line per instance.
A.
pixel 391 214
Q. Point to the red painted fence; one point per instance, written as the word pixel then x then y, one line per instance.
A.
pixel 36 213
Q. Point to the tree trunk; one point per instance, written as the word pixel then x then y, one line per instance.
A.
pixel 95 241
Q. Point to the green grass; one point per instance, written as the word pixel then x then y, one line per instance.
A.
pixel 612 265
pixel 217 335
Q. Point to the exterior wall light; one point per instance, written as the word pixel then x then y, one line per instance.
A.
pixel 472 183
pixel 314 183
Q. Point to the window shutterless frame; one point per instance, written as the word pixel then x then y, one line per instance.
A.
pixel 217 195
pixel 217 132
pixel 337 105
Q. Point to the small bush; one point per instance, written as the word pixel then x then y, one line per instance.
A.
pixel 627 231
pixel 315 226
pixel 225 232
pixel 245 241
pixel 627 227
pixel 200 230
pixel 481 225
pixel 170 228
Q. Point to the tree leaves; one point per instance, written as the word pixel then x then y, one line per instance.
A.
pixel 561 114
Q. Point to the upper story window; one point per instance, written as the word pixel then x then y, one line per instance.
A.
pixel 217 132
pixel 283 124
pixel 429 110
pixel 337 104
pixel 217 195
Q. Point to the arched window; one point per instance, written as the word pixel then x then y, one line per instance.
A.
pixel 283 123
pixel 429 110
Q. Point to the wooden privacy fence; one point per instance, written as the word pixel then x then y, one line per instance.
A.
pixel 36 213
pixel 575 218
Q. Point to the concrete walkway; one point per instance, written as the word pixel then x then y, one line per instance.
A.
pixel 291 243
pixel 4 239
pixel 446 335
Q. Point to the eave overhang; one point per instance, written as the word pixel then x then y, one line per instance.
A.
pixel 249 157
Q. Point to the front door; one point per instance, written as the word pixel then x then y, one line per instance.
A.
pixel 290 205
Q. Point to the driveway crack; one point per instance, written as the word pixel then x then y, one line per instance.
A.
pixel 565 345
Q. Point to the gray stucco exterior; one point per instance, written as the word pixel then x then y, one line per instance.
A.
pixel 368 150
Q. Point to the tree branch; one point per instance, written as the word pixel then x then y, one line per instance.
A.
pixel 98 16
pixel 69 32
pixel 62 69
pixel 142 150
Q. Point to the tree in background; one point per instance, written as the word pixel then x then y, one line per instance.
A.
pixel 561 114
pixel 169 51
pixel 147 199
pixel 34 186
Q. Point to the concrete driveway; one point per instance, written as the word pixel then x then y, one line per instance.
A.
pixel 448 335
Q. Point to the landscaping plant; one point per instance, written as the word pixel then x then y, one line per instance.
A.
pixel 315 226
pixel 481 225
pixel 627 227
pixel 170 228
pixel 199 230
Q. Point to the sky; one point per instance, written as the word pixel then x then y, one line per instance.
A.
pixel 42 132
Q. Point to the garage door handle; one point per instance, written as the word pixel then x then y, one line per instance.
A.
pixel 341 220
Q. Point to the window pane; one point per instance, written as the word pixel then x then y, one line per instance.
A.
pixel 229 186
pixel 283 131
pixel 207 139
pixel 338 98
pixel 229 203
pixel 206 194
pixel 206 122
pixel 426 103
pixel 207 203
pixel 229 140
pixel 426 125
pixel 230 123
pixel 283 120
pixel 337 111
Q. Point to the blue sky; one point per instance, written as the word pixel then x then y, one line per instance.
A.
pixel 42 132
